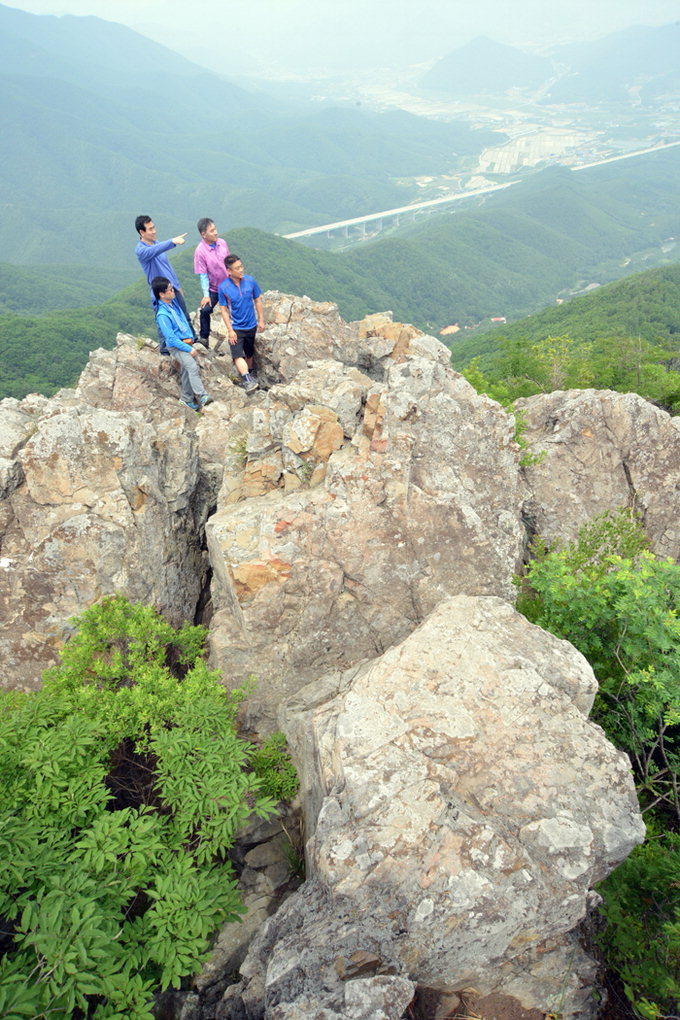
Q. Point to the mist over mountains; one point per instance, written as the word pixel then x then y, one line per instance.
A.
pixel 486 66
pixel 99 123
pixel 109 124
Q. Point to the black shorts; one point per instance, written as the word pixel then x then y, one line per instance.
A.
pixel 245 343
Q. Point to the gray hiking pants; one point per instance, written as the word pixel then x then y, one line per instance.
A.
pixel 190 378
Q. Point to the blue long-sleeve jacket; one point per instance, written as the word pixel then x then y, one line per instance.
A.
pixel 155 262
pixel 173 325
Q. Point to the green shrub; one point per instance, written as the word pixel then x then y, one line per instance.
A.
pixel 621 611
pixel 271 763
pixel 122 786
pixel 618 604
pixel 642 939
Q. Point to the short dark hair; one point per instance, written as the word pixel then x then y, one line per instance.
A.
pixel 141 222
pixel 159 285
pixel 204 224
pixel 230 259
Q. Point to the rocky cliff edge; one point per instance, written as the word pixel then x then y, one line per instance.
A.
pixel 350 533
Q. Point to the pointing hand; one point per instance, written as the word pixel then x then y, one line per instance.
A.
pixel 180 239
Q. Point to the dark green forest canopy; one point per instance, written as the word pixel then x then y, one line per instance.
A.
pixel 36 290
pixel 41 354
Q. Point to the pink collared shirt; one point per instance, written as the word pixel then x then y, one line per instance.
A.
pixel 211 261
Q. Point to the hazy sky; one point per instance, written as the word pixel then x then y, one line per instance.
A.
pixel 253 36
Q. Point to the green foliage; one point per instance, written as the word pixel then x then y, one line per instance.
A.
pixel 483 384
pixel 272 764
pixel 294 852
pixel 527 458
pixel 559 363
pixel 642 909
pixel 122 786
pixel 621 611
pixel 624 337
pixel 618 604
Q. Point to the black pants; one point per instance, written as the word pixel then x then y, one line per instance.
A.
pixel 205 313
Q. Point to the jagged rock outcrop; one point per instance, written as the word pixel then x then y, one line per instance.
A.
pixel 100 501
pixel 354 514
pixel 599 450
pixel 464 806
pixel 350 533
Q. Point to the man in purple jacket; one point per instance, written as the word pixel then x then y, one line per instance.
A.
pixel 209 266
pixel 155 262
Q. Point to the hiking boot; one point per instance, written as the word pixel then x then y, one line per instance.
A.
pixel 203 341
pixel 206 399
pixel 190 404
pixel 249 384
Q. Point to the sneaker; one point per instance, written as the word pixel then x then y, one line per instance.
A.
pixel 203 341
pixel 206 399
pixel 249 385
pixel 190 404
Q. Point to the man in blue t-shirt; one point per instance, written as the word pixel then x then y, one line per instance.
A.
pixel 240 301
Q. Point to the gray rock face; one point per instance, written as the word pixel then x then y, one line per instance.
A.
pixel 354 516
pixel 465 805
pixel 104 505
pixel 601 450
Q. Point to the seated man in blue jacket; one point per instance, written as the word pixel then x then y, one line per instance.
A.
pixel 176 331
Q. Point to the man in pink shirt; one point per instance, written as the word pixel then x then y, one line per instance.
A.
pixel 209 266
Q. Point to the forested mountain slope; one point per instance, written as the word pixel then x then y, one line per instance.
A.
pixel 624 337
pixel 645 305
pixel 85 109
pixel 508 255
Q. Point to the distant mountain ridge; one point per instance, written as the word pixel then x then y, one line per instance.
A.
pixel 71 48
pixel 486 66
pixel 636 66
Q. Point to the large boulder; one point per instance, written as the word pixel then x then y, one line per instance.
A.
pixel 595 451
pixel 353 516
pixel 464 807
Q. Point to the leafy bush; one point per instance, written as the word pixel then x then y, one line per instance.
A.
pixel 642 909
pixel 122 786
pixel 618 604
pixel 622 613
pixel 271 763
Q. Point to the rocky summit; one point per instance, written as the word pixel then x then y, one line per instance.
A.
pixel 349 534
